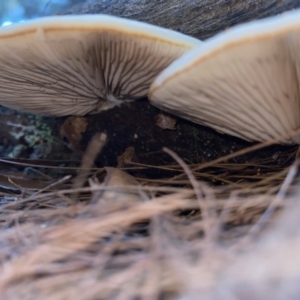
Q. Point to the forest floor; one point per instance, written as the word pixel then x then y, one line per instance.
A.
pixel 117 216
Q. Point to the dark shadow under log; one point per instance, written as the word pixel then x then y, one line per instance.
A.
pixel 197 18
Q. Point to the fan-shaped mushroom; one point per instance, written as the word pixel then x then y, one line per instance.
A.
pixel 82 64
pixel 243 82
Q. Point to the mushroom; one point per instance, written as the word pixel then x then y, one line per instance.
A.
pixel 75 65
pixel 243 81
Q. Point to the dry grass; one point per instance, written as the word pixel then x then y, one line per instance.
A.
pixel 206 233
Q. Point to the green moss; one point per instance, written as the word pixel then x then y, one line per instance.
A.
pixel 34 133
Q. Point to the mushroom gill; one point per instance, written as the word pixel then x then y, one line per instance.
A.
pixel 243 82
pixel 75 65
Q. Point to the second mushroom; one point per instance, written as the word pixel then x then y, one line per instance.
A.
pixel 243 82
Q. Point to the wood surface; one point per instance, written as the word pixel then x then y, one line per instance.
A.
pixel 197 18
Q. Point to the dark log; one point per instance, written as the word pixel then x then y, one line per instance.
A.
pixel 198 18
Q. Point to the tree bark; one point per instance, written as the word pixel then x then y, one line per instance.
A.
pixel 197 18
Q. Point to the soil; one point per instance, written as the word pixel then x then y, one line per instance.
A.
pixel 131 125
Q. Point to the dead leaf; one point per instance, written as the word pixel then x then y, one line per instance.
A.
pixel 72 130
pixel 125 159
pixel 122 194
pixel 165 121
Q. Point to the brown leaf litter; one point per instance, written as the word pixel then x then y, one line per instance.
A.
pixel 213 231
pixel 72 130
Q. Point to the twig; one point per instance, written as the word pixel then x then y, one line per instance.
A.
pixel 278 199
pixel 93 149
pixel 198 191
pixel 50 186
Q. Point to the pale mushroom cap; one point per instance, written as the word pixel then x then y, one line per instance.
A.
pixel 74 65
pixel 243 82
